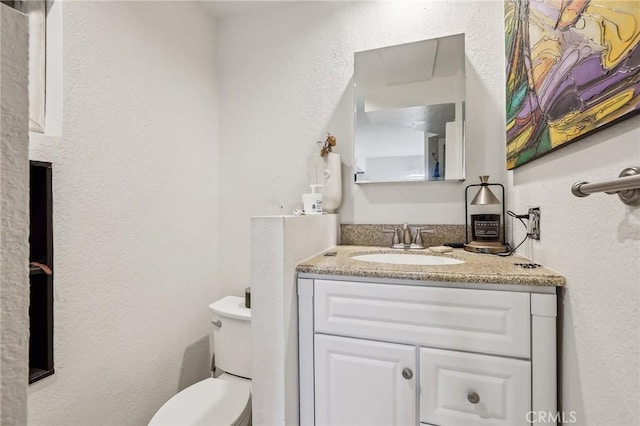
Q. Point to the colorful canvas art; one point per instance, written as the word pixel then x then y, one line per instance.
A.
pixel 573 67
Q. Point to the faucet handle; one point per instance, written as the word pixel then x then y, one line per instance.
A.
pixel 417 239
pixel 396 238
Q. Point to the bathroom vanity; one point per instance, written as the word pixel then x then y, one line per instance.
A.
pixel 389 344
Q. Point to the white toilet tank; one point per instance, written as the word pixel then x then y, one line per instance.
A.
pixel 232 335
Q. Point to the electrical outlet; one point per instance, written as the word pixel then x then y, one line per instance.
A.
pixel 534 223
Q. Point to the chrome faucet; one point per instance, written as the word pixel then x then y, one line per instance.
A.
pixel 409 241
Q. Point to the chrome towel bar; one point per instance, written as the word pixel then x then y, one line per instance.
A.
pixel 627 186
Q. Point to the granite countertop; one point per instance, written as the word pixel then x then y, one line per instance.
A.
pixel 478 268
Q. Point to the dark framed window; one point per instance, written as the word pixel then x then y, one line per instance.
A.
pixel 40 271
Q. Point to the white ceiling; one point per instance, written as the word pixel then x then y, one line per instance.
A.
pixel 231 8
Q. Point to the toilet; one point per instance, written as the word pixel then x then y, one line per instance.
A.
pixel 226 399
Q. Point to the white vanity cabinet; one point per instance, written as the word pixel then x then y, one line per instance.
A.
pixel 409 352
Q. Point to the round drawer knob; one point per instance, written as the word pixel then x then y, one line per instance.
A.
pixel 473 397
pixel 407 373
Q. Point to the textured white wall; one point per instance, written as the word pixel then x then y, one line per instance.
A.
pixel 285 79
pixel 135 182
pixel 14 217
pixel 595 243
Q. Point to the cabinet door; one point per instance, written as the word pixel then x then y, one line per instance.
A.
pixel 362 382
pixel 458 388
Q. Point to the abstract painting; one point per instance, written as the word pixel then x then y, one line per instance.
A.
pixel 573 67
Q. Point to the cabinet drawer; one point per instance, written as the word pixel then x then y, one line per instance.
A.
pixel 494 322
pixel 458 388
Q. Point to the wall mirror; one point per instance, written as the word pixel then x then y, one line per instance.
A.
pixel 409 112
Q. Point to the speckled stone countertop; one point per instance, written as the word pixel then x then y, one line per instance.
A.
pixel 478 268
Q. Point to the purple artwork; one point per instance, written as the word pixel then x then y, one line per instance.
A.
pixel 573 66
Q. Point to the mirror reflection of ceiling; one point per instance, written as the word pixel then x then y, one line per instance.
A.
pixel 410 62
pixel 427 118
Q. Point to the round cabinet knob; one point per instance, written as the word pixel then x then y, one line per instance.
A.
pixel 407 373
pixel 473 397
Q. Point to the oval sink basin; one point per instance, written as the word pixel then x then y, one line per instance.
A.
pixel 407 259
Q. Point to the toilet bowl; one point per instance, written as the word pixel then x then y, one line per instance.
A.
pixel 211 401
pixel 225 400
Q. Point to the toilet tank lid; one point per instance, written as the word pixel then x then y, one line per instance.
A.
pixel 231 307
